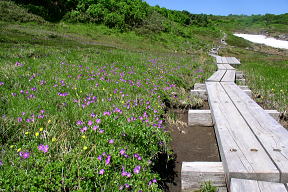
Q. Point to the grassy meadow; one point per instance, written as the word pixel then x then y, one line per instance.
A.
pixel 83 107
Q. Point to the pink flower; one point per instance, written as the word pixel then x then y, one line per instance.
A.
pixel 24 155
pixel 136 170
pixel 108 159
pixel 101 172
pixel 111 141
pixel 43 148
pixel 83 129
pixel 90 122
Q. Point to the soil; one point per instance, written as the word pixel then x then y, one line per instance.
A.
pixel 189 143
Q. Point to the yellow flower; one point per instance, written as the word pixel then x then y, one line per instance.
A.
pixel 26 133
pixel 37 134
pixel 84 136
pixel 18 150
pixel 41 129
pixel 49 121
pixel 12 146
pixel 110 95
pixel 54 139
pixel 281 90
pixel 122 101
pixel 75 88
pixel 80 91
pixel 85 148
pixel 103 89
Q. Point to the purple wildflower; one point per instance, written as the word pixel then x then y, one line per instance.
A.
pixel 95 127
pixel 19 119
pixel 90 122
pixel 98 121
pixel 108 159
pixel 107 113
pixel 137 169
pixel 1 163
pixel 122 151
pixel 18 64
pixel 24 155
pixel 101 172
pixel 1 83
pixel 79 122
pixel 99 157
pixel 43 148
pixel 83 129
pixel 111 141
pixel 63 94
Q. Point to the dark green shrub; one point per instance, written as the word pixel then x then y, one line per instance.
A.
pixel 10 12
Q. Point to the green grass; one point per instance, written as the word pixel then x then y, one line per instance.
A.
pixel 266 71
pixel 54 76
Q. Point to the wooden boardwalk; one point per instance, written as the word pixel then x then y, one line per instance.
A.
pixel 253 146
pixel 227 60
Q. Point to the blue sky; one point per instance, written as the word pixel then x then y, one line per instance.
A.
pixel 225 7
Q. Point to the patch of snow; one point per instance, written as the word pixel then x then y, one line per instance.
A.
pixel 262 39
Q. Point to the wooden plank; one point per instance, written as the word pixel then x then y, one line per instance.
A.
pixel 229 76
pixel 229 67
pixel 241 153
pixel 218 60
pixel 224 60
pixel 236 61
pixel 242 185
pixel 221 67
pixel 200 93
pixel 199 86
pixel 193 174
pixel 200 117
pixel 230 60
pixel 217 76
pixel 272 135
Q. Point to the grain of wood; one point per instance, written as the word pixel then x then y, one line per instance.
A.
pixel 229 67
pixel 200 117
pixel 229 76
pixel 241 153
pixel 193 174
pixel 236 61
pixel 221 67
pixel 224 60
pixel 217 76
pixel 242 185
pixel 272 135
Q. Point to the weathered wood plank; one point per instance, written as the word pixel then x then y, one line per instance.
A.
pixel 193 174
pixel 229 76
pixel 224 60
pixel 241 153
pixel 199 86
pixel 200 93
pixel 236 61
pixel 221 67
pixel 242 185
pixel 218 60
pixel 269 132
pixel 229 67
pixel 200 117
pixel 217 76
pixel 230 60
pixel 274 113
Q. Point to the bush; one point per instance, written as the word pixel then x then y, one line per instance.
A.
pixel 10 12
